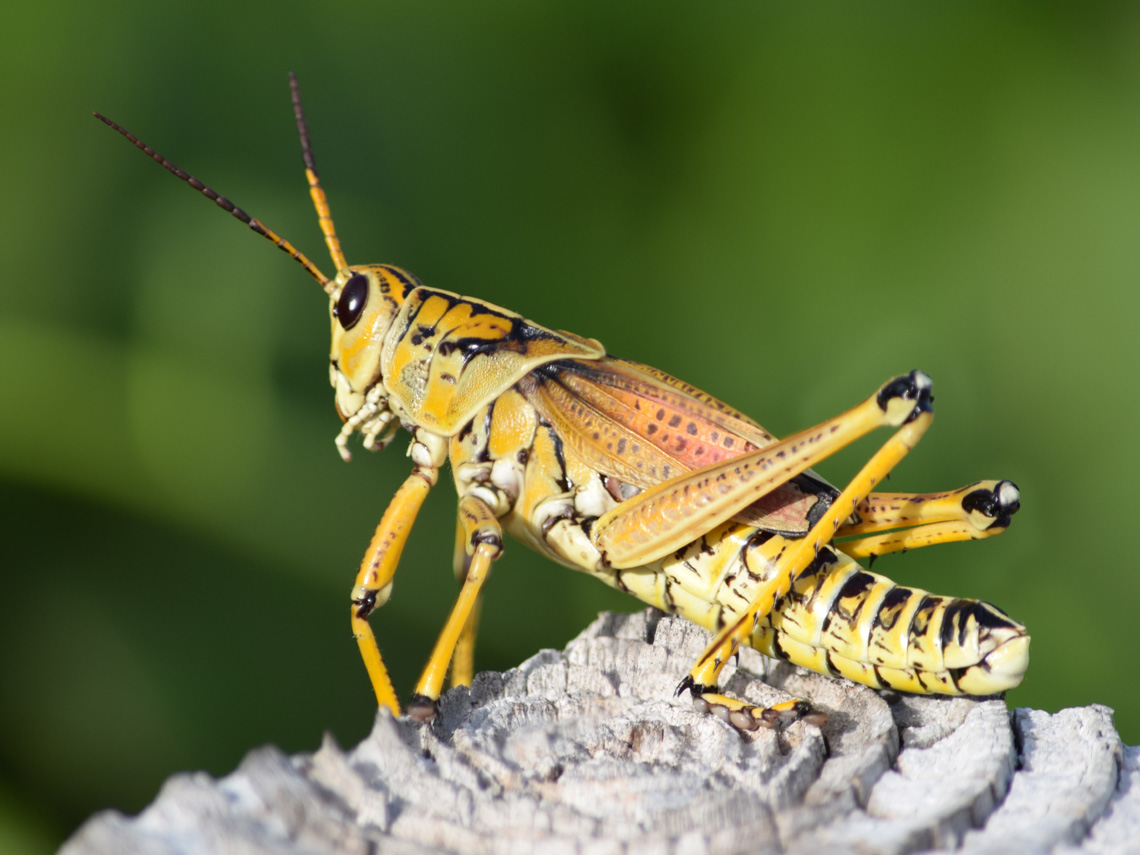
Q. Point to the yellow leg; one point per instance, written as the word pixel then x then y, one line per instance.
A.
pixel 929 534
pixel 463 660
pixel 745 716
pixel 702 678
pixel 374 580
pixel 905 521
pixel 983 504
pixel 669 515
pixel 484 538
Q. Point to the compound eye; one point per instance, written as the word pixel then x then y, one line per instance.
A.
pixel 350 305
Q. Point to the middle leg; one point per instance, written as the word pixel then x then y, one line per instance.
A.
pixel 463 660
pixel 484 543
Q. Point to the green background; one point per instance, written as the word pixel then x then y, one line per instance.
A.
pixel 785 205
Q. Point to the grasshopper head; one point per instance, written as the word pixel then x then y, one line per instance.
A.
pixel 363 303
pixel 366 300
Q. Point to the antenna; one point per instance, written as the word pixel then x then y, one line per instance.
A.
pixel 225 204
pixel 320 202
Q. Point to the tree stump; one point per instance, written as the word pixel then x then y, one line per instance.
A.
pixel 587 750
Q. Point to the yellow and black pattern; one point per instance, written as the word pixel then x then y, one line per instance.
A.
pixel 619 470
pixel 445 356
pixel 838 618
pixel 843 620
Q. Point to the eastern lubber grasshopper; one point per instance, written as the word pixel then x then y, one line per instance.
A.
pixel 648 484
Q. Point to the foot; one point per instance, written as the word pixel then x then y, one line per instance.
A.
pixel 748 717
pixel 991 507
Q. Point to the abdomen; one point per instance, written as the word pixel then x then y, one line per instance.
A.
pixel 843 620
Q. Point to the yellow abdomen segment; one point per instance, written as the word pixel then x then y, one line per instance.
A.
pixel 843 620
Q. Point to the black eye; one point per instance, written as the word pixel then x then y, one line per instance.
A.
pixel 353 296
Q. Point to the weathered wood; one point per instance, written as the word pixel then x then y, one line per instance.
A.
pixel 588 751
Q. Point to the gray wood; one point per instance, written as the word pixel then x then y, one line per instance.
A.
pixel 587 751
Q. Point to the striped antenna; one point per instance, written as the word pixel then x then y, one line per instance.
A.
pixel 320 202
pixel 225 204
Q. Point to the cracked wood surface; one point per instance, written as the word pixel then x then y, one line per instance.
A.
pixel 586 750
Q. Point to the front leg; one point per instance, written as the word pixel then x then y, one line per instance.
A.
pixel 374 579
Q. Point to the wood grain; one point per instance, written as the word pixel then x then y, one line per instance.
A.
pixel 587 751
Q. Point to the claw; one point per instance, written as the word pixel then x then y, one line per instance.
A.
pixel 422 708
pixel 693 687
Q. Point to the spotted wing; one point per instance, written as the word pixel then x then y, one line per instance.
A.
pixel 640 426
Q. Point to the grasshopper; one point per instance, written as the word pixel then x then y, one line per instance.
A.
pixel 651 485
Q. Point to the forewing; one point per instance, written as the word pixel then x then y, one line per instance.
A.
pixel 641 426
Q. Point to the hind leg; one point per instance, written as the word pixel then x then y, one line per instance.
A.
pixel 894 522
pixel 793 560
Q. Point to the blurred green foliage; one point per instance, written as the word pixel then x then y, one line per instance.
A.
pixel 784 205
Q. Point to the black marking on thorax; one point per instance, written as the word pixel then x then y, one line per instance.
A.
pixel 519 333
pixel 409 281
pixel 560 456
